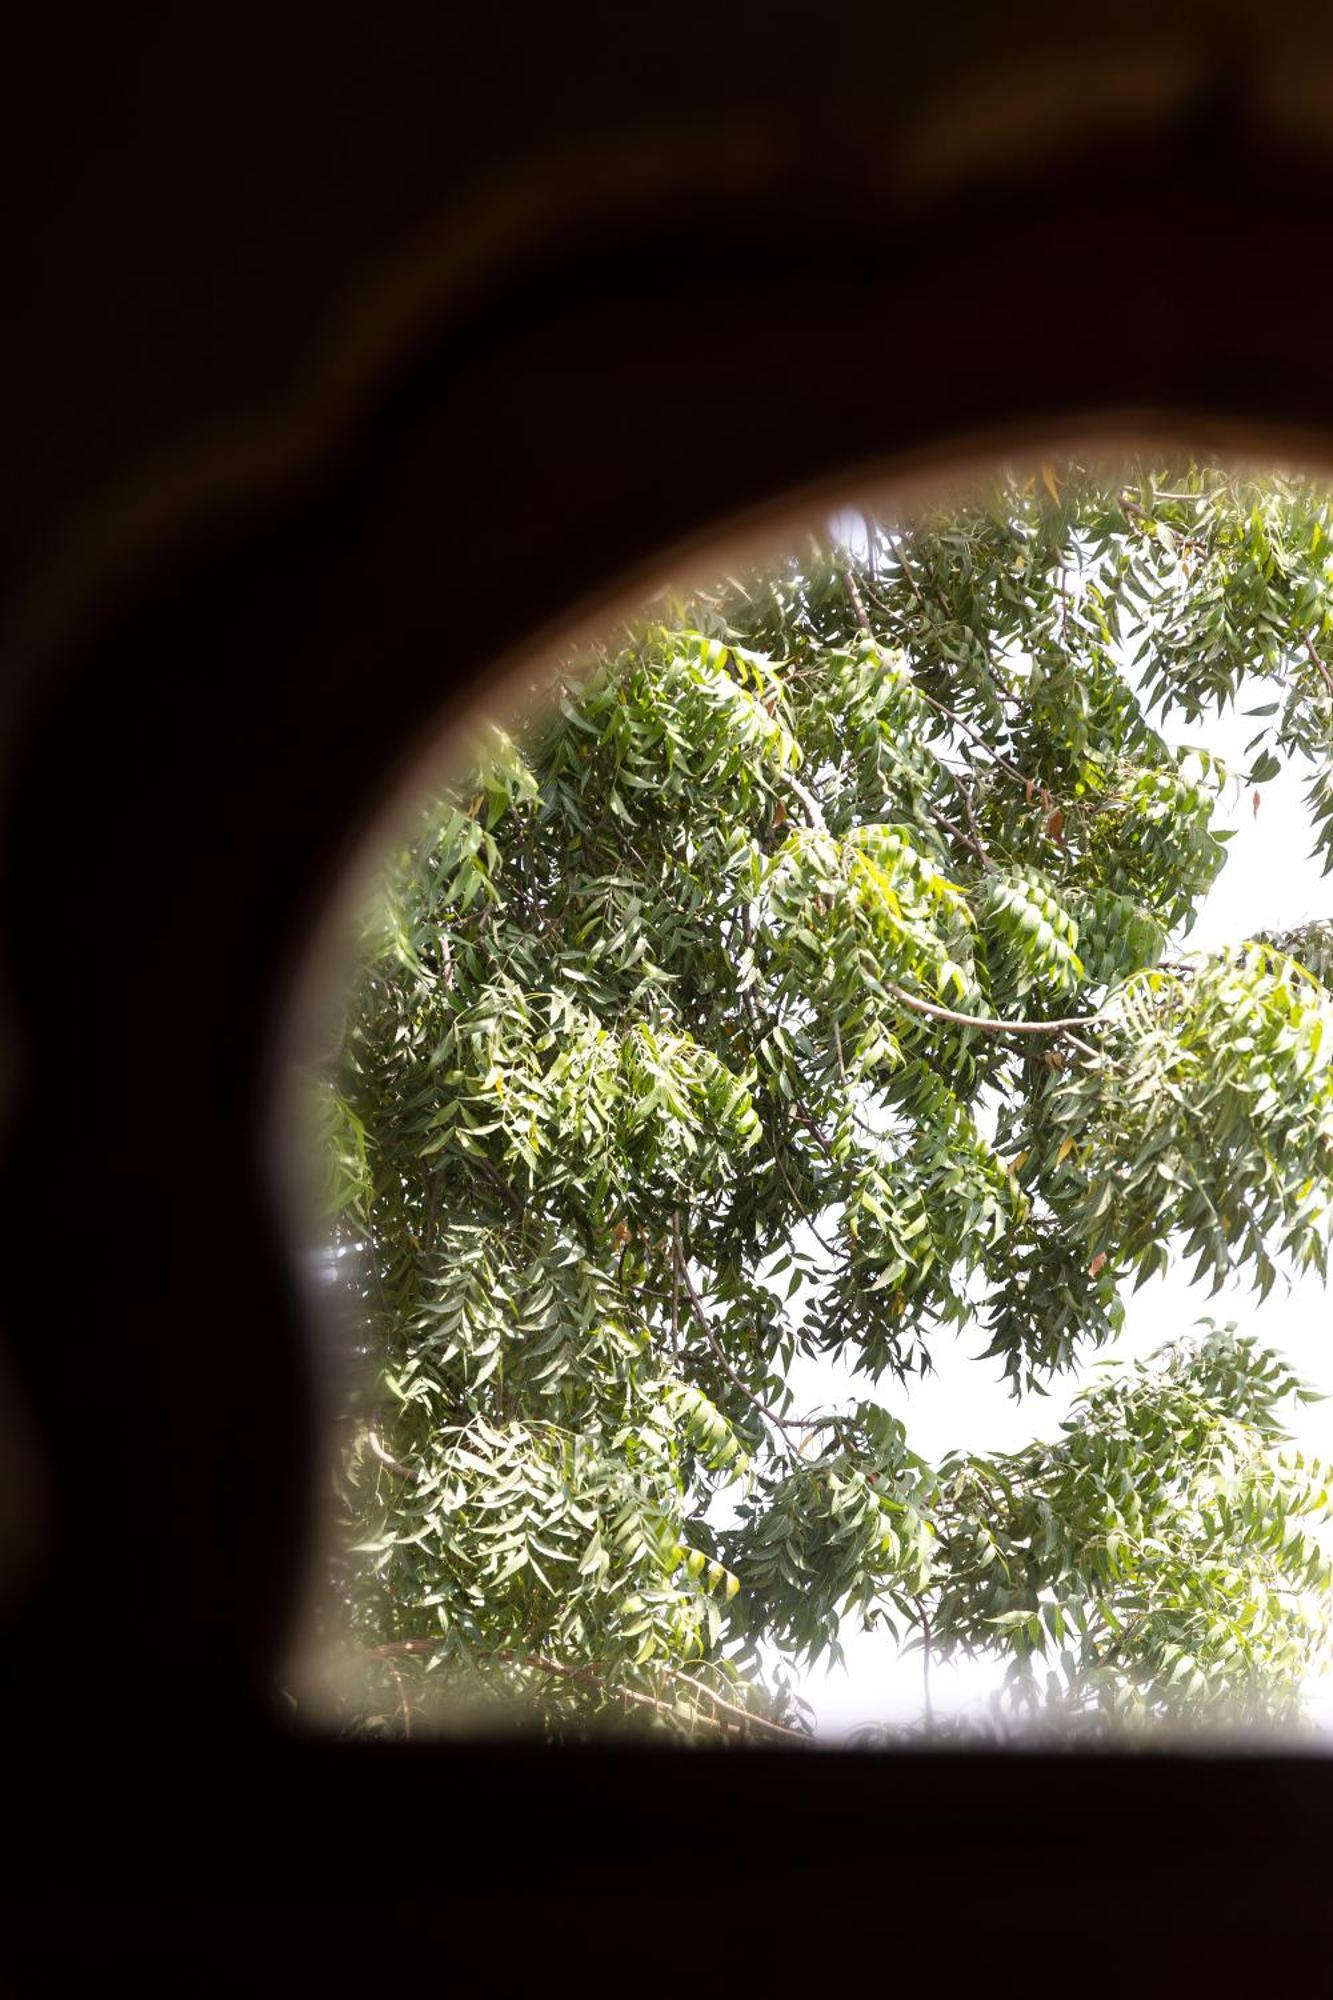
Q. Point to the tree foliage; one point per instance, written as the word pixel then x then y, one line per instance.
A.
pixel 807 975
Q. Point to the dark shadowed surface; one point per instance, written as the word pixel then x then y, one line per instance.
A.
pixel 279 486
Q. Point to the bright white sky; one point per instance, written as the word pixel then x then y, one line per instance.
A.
pixel 1268 882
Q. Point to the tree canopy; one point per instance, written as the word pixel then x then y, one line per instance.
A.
pixel 808 973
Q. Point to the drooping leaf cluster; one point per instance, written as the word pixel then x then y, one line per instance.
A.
pixel 808 976
pixel 1162 1561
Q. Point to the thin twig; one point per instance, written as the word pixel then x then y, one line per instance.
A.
pixel 402 1702
pixel 783 1423
pixel 837 1050
pixel 1064 609
pixel 806 1117
pixel 1084 1048
pixel 803 1112
pixel 964 791
pixel 500 1185
pixel 901 553
pixel 980 738
pixel 548 1666
pixel 1178 535
pixel 862 618
pixel 744 1714
pixel 543 1664
pixel 963 839
pixel 1002 686
pixel 1316 661
pixel 387 1458
pixel 758 1029
pixel 822 1241
pixel 926 1642
pixel 675 1310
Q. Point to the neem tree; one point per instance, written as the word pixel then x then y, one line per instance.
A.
pixel 806 978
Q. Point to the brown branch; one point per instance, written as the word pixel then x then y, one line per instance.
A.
pixel 500 1185
pixel 1136 513
pixel 990 1026
pixel 1002 686
pixel 964 839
